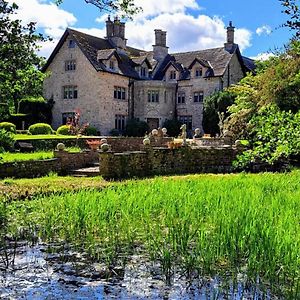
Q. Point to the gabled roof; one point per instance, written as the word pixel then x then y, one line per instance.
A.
pixel 105 54
pixel 139 60
pixel 202 62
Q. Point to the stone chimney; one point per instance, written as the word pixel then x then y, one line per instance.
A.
pixel 115 33
pixel 230 38
pixel 160 49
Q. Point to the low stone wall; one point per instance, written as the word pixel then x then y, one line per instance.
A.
pixel 156 161
pixel 74 160
pixel 29 169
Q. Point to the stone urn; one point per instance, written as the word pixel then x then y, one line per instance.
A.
pixel 60 147
pixel 103 141
pixel 154 132
pixel 164 130
pixel 105 147
pixel 146 142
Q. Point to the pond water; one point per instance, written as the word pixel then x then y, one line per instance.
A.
pixel 31 272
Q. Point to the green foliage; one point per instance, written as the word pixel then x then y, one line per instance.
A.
pixel 215 109
pixel 9 127
pixel 275 137
pixel 6 140
pixel 40 128
pixel 19 63
pixel 202 225
pixel 91 131
pixel 114 132
pixel 63 130
pixel 173 127
pixel 137 128
pixel 291 8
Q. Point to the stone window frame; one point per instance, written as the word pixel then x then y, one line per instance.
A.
pixel 119 93
pixel 153 96
pixel 181 97
pixel 72 44
pixel 70 92
pixel 70 65
pixel 172 75
pixel 120 122
pixel 143 72
pixel 198 72
pixel 198 97
pixel 186 119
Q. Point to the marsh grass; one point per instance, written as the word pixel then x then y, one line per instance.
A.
pixel 224 225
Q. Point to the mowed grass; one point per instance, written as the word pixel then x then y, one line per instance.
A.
pixel 208 224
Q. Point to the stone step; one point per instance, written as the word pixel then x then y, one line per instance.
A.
pixel 86 172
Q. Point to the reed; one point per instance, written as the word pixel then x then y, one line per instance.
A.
pixel 199 224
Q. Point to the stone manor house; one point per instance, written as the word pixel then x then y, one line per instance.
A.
pixel 109 82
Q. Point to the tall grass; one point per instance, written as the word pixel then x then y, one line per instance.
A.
pixel 207 224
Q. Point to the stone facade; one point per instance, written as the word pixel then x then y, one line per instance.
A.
pixel 108 82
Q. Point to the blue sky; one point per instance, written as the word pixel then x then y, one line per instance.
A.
pixel 191 24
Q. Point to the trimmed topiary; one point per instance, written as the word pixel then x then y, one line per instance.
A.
pixel 63 130
pixel 40 128
pixel 9 127
pixel 91 131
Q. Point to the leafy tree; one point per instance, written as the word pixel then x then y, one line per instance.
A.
pixel 19 63
pixel 291 8
pixel 126 7
pixel 215 107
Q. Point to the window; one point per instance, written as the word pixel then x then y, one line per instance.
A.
pixel 119 93
pixel 153 96
pixel 143 72
pixel 181 97
pixel 70 65
pixel 186 120
pixel 198 97
pixel 70 92
pixel 120 122
pixel 68 117
pixel 111 64
pixel 172 75
pixel 198 72
pixel 72 44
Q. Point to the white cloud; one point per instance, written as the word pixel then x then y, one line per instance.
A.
pixel 265 29
pixel 263 56
pixel 48 17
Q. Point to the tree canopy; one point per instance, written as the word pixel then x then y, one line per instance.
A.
pixel 19 62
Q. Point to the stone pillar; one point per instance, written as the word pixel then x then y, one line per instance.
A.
pixel 230 37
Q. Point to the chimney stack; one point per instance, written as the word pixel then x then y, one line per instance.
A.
pixel 115 33
pixel 230 37
pixel 160 49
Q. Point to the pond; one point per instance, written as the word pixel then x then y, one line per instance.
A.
pixel 57 272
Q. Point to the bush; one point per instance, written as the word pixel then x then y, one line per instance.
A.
pixel 9 127
pixel 63 130
pixel 40 128
pixel 136 128
pixel 173 127
pixel 91 131
pixel 114 132
pixel 6 140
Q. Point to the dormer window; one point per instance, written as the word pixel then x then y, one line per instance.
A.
pixel 72 44
pixel 143 72
pixel 172 75
pixel 111 64
pixel 198 72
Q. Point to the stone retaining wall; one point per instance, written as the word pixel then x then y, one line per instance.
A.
pixel 156 161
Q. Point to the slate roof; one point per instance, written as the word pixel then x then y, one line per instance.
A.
pixel 93 47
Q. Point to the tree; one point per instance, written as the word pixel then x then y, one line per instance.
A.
pixel 215 106
pixel 291 8
pixel 19 63
pixel 126 7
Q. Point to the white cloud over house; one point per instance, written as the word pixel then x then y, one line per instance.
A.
pixel 264 30
pixel 185 32
pixel 263 56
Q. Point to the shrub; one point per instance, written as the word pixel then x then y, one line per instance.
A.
pixel 114 132
pixel 9 127
pixel 63 130
pixel 40 128
pixel 90 130
pixel 135 127
pixel 173 127
pixel 6 140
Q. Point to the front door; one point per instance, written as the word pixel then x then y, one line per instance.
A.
pixel 153 123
